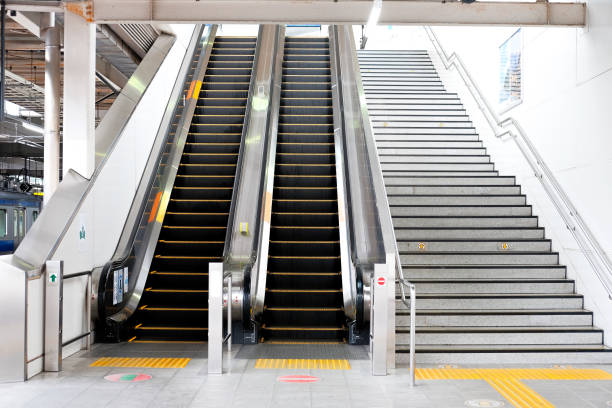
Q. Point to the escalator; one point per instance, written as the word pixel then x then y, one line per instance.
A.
pixel 174 305
pixel 303 300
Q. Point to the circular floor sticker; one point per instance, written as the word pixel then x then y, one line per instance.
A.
pixel 127 377
pixel 298 379
pixel 483 403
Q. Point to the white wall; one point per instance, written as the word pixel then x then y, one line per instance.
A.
pixel 567 101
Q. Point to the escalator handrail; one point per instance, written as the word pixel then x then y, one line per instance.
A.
pixel 384 233
pixel 262 177
pixel 126 253
pixel 350 286
pixel 255 302
pixel 238 177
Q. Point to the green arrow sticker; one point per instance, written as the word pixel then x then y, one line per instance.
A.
pixel 53 278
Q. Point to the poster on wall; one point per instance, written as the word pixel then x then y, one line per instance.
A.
pixel 510 71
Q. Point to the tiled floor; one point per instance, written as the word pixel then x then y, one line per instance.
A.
pixel 80 385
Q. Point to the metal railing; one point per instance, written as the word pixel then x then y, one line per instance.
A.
pixel 590 247
pixel 412 306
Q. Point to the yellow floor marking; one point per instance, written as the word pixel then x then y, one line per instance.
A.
pixel 169 342
pixel 147 362
pixel 303 342
pixel 507 381
pixel 302 364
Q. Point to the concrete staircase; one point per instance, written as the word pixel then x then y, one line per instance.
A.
pixel 489 287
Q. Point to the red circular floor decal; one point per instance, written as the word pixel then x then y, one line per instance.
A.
pixel 298 379
pixel 127 377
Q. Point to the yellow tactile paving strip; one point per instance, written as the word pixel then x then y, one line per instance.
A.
pixel 147 362
pixel 302 364
pixel 507 381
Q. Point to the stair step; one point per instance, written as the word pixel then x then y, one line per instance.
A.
pixel 493 301
pixel 439 174
pixel 426 336
pixel 502 318
pixel 484 272
pixel 436 166
pixel 452 200
pixel 506 354
pixel 492 286
pixel 385 104
pixel 437 190
pixel 376 112
pixel 423 144
pixel 430 151
pixel 479 258
pixel 427 211
pixel 448 181
pixel 425 246
pixel 465 222
pixel 389 129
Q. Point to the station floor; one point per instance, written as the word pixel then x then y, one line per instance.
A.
pixel 248 381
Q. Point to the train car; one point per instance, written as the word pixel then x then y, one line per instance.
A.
pixel 18 211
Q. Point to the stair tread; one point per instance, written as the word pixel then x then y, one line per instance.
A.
pixel 494 312
pixel 495 295
pixel 489 280
pixel 497 329
pixel 504 348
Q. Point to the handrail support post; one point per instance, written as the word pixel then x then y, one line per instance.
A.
pixel 53 284
pixel 215 318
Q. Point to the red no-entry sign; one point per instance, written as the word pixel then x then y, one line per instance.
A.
pixel 381 281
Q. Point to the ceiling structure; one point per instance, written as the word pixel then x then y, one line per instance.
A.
pixel 394 12
pixel 119 50
pixel 126 29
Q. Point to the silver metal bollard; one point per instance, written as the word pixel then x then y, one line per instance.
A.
pixel 379 323
pixel 215 318
pixel 54 283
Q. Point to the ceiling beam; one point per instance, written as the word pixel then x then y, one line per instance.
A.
pixel 395 12
pixel 28 20
pixel 30 45
pixel 36 6
pixel 110 72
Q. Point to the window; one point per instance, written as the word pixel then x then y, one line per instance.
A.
pixel 18 223
pixel 34 215
pixel 21 222
pixel 510 85
pixel 3 222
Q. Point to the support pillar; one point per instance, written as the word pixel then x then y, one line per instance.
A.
pixel 79 94
pixel 51 153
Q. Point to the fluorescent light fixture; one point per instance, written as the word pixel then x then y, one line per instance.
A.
pixel 374 15
pixel 32 127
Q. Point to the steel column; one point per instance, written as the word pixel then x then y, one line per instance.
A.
pixel 79 94
pixel 52 106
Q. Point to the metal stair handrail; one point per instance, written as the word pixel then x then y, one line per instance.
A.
pixel 590 246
